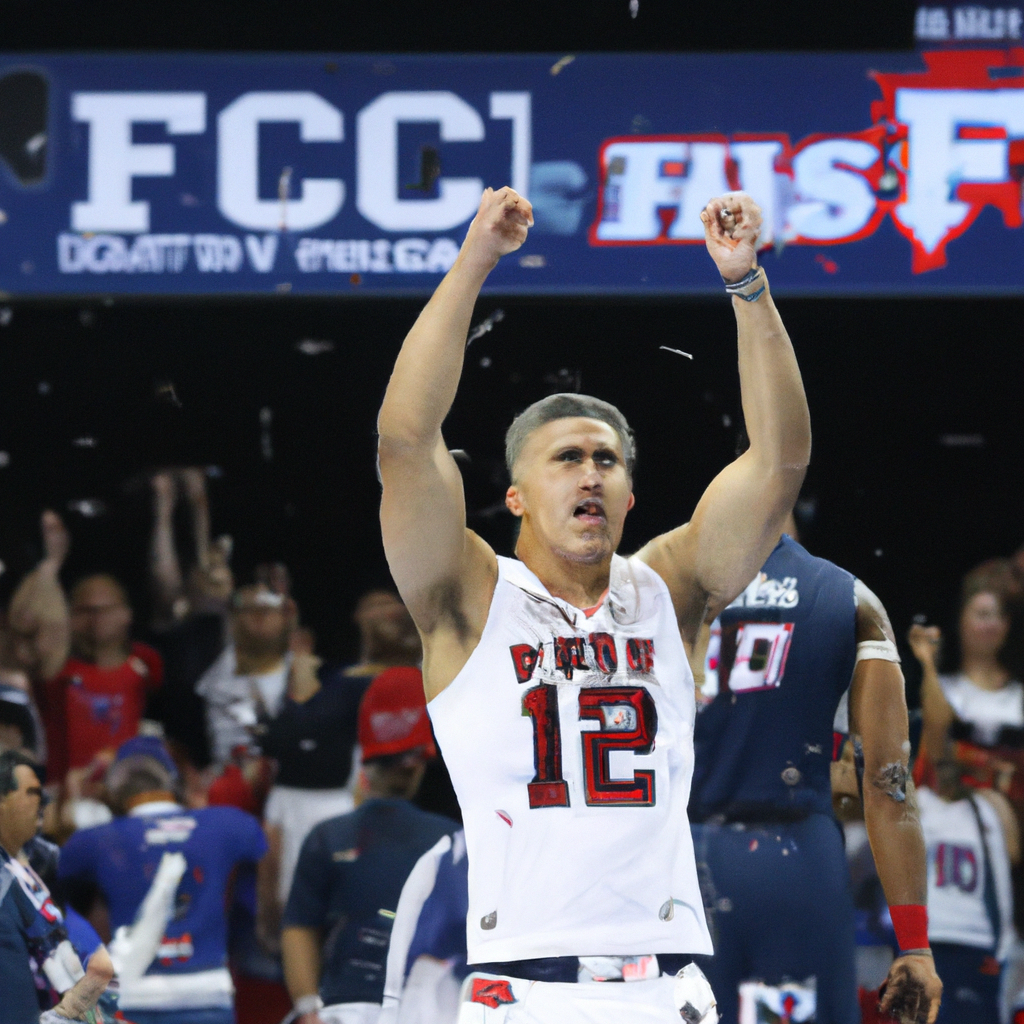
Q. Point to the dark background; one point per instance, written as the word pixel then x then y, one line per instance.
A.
pixel 916 405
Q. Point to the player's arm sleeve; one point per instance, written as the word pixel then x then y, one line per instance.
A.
pixel 310 891
pixel 417 888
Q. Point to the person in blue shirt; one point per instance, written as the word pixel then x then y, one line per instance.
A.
pixel 39 970
pixel 769 852
pixel 187 981
pixel 337 924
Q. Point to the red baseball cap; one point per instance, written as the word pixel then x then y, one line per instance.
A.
pixel 393 715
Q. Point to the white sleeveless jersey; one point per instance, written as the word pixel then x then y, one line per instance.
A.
pixel 569 740
pixel 956 872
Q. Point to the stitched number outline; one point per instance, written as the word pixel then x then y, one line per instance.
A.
pixel 628 721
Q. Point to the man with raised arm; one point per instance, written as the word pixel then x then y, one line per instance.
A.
pixel 557 682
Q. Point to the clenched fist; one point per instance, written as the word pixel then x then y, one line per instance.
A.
pixel 732 224
pixel 499 227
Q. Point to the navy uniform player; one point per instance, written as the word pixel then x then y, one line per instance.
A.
pixel 769 852
pixel 557 683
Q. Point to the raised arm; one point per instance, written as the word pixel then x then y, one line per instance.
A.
pixel 737 522
pixel 936 711
pixel 444 572
pixel 878 714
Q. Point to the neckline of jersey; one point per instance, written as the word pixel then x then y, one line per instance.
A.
pixel 534 585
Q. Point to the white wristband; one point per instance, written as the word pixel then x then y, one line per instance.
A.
pixel 308 1004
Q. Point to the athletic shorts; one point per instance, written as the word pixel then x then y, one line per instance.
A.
pixel 778 904
pixel 493 999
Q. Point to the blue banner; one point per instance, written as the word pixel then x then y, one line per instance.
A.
pixel 178 174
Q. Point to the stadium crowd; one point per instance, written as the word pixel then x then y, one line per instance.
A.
pixel 204 821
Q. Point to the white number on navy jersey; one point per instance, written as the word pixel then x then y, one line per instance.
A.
pixel 761 651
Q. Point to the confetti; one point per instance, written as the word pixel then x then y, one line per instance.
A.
pixel 43 387
pixel 677 351
pixel 634 8
pixel 6 316
pixel 459 454
pixel 556 68
pixel 84 442
pixel 5 459
pixel 484 326
pixel 266 441
pixel 88 507
pixel 312 347
pixel 163 391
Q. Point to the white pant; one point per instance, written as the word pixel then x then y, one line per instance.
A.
pixel 350 1013
pixel 542 1002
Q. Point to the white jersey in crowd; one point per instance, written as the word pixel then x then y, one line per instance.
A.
pixel 986 710
pixel 956 872
pixel 569 739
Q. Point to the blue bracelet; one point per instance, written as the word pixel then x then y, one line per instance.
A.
pixel 737 287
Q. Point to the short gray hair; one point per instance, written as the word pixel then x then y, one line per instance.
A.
pixel 566 406
pixel 134 775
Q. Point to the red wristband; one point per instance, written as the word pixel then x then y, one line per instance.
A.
pixel 910 922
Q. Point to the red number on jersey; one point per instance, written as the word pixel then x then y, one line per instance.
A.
pixel 547 789
pixel 628 721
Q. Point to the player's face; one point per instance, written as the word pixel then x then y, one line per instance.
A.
pixel 572 489
pixel 983 625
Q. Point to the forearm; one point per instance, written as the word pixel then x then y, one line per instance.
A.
pixel 77 1001
pixel 936 711
pixel 894 830
pixel 300 953
pixel 774 404
pixel 426 375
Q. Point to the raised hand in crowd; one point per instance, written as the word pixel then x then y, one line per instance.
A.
pixel 38 616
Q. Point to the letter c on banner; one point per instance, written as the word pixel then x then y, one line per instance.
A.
pixel 377 196
pixel 238 161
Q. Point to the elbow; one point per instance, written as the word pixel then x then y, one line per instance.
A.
pixel 101 967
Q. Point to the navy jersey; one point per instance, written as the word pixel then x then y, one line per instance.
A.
pixel 121 858
pixel 31 928
pixel 784 658
pixel 350 874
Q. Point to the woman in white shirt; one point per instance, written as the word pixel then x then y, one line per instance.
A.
pixel 980 707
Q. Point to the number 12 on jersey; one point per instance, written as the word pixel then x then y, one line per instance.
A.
pixel 627 720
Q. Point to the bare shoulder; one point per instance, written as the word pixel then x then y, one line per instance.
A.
pixel 671 556
pixel 452 615
pixel 872 618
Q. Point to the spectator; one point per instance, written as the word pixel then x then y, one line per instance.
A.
pixel 249 679
pixel 387 635
pixel 38 967
pixel 187 981
pixel 17 727
pixel 313 738
pixel 352 868
pixel 191 612
pixel 980 705
pixel 972 840
pixel 98 699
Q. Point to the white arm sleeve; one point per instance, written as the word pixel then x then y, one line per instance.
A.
pixel 418 886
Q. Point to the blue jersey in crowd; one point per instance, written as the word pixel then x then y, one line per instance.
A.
pixel 121 858
pixel 763 742
pixel 31 928
pixel 350 874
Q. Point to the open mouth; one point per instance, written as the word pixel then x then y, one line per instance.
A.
pixel 591 512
